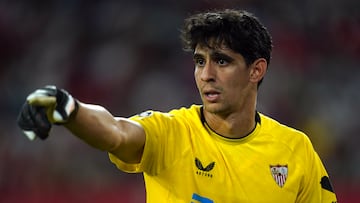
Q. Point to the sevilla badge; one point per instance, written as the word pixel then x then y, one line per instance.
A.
pixel 279 173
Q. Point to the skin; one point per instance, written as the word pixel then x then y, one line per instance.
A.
pixel 120 136
pixel 228 89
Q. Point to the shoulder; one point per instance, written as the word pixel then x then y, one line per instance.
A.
pixel 188 112
pixel 193 110
pixel 287 135
pixel 269 124
pixel 182 116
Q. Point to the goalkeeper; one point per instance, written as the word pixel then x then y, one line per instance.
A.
pixel 222 150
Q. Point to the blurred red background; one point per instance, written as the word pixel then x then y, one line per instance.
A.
pixel 126 55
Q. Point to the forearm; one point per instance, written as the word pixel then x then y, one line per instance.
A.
pixel 100 129
pixel 96 126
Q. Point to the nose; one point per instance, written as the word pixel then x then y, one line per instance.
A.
pixel 208 72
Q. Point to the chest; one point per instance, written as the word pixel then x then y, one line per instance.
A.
pixel 254 172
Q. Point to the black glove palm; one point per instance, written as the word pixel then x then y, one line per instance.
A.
pixel 42 108
pixel 33 121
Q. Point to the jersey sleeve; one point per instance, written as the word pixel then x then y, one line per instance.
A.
pixel 316 185
pixel 163 146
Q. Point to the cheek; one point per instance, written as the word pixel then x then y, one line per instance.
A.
pixel 195 73
pixel 238 82
pixel 197 76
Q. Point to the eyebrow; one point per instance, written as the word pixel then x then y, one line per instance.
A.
pixel 218 55
pixel 198 56
pixel 215 55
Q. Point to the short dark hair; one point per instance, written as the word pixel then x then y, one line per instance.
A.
pixel 240 30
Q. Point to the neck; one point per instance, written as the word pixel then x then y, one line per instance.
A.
pixel 235 125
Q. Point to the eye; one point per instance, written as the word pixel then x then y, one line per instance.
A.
pixel 199 62
pixel 222 62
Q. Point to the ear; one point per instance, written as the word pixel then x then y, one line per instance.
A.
pixel 258 70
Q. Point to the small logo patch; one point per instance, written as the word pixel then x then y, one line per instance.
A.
pixel 146 114
pixel 204 171
pixel 326 184
pixel 279 173
pixel 200 199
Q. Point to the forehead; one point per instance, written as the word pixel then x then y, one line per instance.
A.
pixel 212 48
pixel 215 52
pixel 214 43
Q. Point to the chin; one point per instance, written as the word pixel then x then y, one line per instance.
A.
pixel 214 108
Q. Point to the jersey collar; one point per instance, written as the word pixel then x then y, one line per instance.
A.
pixel 206 125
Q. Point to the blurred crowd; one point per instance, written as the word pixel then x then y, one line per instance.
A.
pixel 127 56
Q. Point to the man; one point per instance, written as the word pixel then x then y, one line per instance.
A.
pixel 220 151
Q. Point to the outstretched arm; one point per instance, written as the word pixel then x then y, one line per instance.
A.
pixel 92 123
pixel 97 127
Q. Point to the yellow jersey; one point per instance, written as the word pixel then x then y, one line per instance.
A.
pixel 184 161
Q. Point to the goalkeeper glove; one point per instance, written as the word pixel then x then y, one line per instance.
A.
pixel 42 108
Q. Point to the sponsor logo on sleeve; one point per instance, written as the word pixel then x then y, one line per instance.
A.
pixel 146 114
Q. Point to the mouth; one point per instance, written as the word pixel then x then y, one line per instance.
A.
pixel 211 95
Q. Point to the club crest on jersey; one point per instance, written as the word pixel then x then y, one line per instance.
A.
pixel 279 173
